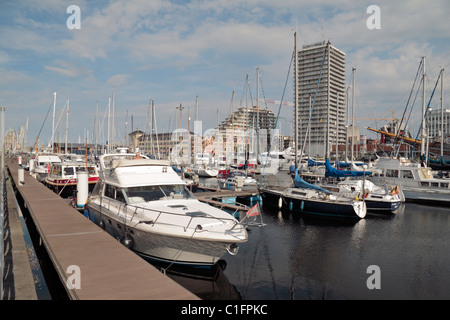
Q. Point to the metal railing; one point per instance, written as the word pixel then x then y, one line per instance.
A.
pixel 132 213
pixel 3 210
pixel 3 200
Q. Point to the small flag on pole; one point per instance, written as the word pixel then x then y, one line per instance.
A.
pixel 253 211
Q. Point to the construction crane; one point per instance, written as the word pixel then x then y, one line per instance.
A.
pixel 385 119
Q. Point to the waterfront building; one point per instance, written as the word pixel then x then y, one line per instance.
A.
pixel 322 60
pixel 434 120
pixel 249 118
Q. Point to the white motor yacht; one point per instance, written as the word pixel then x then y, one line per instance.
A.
pixel 39 165
pixel 418 183
pixel 146 205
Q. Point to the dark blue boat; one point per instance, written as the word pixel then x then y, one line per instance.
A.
pixel 310 199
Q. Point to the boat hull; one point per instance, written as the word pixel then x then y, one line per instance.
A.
pixel 423 194
pixel 427 197
pixel 165 248
pixel 68 189
pixel 385 207
pixel 313 206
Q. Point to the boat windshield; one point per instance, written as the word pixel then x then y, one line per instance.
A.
pixel 152 193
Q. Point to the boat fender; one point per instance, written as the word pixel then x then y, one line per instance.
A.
pixel 280 203
pixel 302 205
pixel 102 224
pixel 233 249
pixel 290 206
pixel 127 241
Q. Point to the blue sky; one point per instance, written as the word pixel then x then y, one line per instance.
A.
pixel 173 51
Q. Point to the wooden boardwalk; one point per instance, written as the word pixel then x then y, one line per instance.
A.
pixel 108 270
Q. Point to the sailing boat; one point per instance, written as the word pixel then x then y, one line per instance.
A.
pixel 308 198
pixel 416 179
pixel 311 199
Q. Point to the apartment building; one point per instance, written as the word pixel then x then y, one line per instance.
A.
pixel 325 98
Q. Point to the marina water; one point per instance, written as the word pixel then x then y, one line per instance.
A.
pixel 303 257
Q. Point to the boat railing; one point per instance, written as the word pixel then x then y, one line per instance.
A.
pixel 130 213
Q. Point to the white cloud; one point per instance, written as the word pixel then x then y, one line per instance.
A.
pixel 174 50
pixel 13 77
pixel 69 69
pixel 117 80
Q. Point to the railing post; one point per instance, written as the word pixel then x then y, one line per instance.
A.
pixel 2 215
pixel 2 196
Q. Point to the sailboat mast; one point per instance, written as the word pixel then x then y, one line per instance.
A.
pixel 422 145
pixel 53 122
pixel 109 125
pixel 67 125
pixel 295 100
pixel 353 112
pixel 442 114
pixel 257 114
pixel 327 143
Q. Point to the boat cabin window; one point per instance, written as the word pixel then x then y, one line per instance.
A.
pixel 299 193
pixel 114 193
pixel 392 173
pixel 68 171
pixel 406 174
pixel 151 193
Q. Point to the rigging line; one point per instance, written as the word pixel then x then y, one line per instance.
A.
pixel 279 108
pixel 409 98
pixel 59 120
pixel 245 90
pixel 426 110
pixel 262 89
pixel 409 116
pixel 35 143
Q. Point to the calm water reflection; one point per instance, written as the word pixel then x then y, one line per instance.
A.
pixel 300 257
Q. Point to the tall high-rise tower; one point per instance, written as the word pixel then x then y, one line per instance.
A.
pixel 325 97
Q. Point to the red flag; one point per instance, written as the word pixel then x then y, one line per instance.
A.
pixel 253 211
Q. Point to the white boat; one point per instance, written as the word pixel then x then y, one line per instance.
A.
pixel 63 177
pixel 204 171
pixel 146 205
pixel 39 165
pixel 380 199
pixel 418 183
pixel 236 179
pixel 314 202
pixel 307 198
